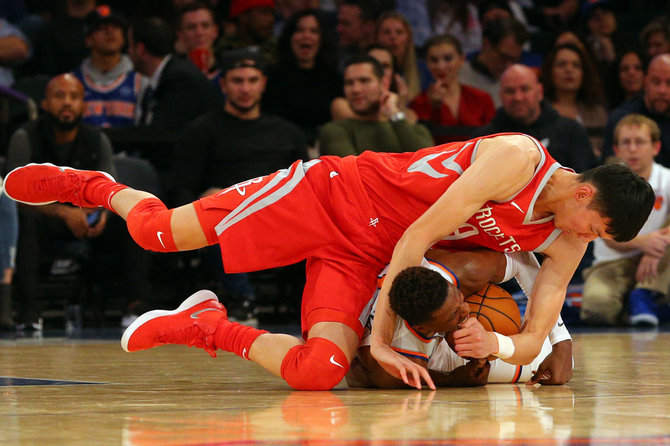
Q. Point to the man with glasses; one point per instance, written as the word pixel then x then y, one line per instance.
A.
pixel 502 46
pixel 639 269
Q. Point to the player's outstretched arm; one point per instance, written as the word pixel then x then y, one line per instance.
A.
pixel 513 158
pixel 544 306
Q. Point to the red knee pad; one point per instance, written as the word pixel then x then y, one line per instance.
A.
pixel 319 364
pixel 149 225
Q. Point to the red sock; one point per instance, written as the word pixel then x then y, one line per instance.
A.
pixel 100 190
pixel 236 338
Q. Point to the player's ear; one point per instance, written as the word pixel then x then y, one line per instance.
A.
pixel 585 191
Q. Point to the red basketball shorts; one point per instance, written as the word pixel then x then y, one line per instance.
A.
pixel 303 212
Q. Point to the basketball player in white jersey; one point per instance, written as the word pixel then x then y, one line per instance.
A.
pixel 425 342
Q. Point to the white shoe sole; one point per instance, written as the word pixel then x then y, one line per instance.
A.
pixel 193 300
pixel 644 319
pixel 64 168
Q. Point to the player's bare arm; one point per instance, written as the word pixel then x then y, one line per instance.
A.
pixel 513 158
pixel 561 260
pixel 366 372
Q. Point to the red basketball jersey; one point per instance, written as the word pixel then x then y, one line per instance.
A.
pixel 402 186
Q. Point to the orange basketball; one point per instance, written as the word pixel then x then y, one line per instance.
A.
pixel 495 309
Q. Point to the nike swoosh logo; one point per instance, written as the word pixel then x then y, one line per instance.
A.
pixel 332 361
pixel 517 206
pixel 160 238
pixel 560 324
pixel 244 353
pixel 197 313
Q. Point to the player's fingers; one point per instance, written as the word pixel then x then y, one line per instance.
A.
pixel 416 378
pixel 403 376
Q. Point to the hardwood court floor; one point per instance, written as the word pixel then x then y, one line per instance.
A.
pixel 93 393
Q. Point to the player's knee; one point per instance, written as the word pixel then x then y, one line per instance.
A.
pixel 149 224
pixel 319 364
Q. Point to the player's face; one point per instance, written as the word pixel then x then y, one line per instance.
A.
pixel 448 317
pixel 198 29
pixel 362 88
pixel 243 88
pixel 306 39
pixel 444 61
pixel 583 222
pixel 635 148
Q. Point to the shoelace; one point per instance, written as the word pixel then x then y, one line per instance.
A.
pixel 64 185
pixel 192 336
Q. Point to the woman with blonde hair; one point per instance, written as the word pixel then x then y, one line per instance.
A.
pixel 395 32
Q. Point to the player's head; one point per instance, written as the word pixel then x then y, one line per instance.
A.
pixel 427 301
pixel 637 140
pixel 622 199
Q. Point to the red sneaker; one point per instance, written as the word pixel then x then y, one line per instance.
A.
pixel 39 184
pixel 193 323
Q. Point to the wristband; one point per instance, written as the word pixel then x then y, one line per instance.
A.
pixel 559 332
pixel 505 346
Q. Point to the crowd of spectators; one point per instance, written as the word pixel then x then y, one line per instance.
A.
pixel 212 92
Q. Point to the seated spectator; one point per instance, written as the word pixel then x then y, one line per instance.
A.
pixel 230 145
pixel 61 46
pixel 177 91
pixel 303 84
pixel 111 86
pixel 524 110
pixel 378 124
pixel 395 33
pixel 356 27
pixel 655 37
pixel 254 27
pixel 502 46
pixel 448 102
pixel 59 137
pixel 637 271
pixel 629 78
pixel 601 28
pixel 8 239
pixel 572 86
pixel 459 18
pixel 392 80
pixel 196 33
pixel 15 49
pixel 654 102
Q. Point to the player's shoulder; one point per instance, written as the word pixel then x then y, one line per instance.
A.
pixel 512 145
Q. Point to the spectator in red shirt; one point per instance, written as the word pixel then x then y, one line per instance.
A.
pixel 448 102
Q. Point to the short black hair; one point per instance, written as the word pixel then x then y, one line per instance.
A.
pixel 195 5
pixel 370 9
pixel 156 34
pixel 497 30
pixel 366 58
pixel 416 293
pixel 623 197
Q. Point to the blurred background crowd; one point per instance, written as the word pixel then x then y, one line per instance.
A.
pixel 186 97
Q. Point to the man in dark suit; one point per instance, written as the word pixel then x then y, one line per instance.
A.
pixel 178 91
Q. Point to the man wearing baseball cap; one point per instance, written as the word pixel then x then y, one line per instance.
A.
pixel 254 21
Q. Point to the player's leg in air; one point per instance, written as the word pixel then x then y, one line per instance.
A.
pixel 332 334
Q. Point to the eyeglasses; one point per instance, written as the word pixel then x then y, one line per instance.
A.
pixel 637 142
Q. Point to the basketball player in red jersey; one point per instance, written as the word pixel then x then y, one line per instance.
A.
pixel 349 217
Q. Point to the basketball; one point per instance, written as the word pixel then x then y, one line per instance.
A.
pixel 495 309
